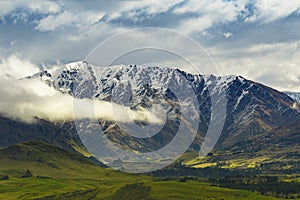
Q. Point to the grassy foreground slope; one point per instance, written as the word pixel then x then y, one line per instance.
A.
pixel 35 170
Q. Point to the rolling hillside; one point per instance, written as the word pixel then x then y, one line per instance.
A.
pixel 35 170
pixel 61 134
pixel 276 151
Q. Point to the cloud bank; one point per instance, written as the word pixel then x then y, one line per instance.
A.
pixel 28 99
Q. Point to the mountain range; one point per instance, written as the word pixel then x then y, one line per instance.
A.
pixel 251 109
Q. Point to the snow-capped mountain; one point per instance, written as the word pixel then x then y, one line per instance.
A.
pixel 294 95
pixel 250 108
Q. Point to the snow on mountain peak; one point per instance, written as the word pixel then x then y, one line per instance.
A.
pixel 294 95
pixel 81 74
pixel 150 87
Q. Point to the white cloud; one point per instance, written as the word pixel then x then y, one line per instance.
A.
pixel 16 68
pixel 24 99
pixel 68 18
pixel 203 14
pixel 45 7
pixel 276 65
pixel 53 22
pixel 227 35
pixel 270 10
pixel 57 16
pixel 209 13
pixel 196 25
pixel 149 7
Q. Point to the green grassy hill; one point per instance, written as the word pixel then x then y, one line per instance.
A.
pixel 276 152
pixel 36 170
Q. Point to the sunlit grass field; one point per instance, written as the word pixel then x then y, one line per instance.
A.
pixel 58 174
pixel 43 188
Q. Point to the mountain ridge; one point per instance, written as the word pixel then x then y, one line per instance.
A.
pixel 252 108
pixel 294 95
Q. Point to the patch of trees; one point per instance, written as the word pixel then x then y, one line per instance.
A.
pixel 265 185
pixel 287 167
pixel 27 174
pixel 4 177
pixel 179 170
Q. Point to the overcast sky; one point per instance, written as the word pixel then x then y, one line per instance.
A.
pixel 258 39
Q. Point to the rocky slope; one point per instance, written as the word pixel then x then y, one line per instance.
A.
pixel 294 95
pixel 251 108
